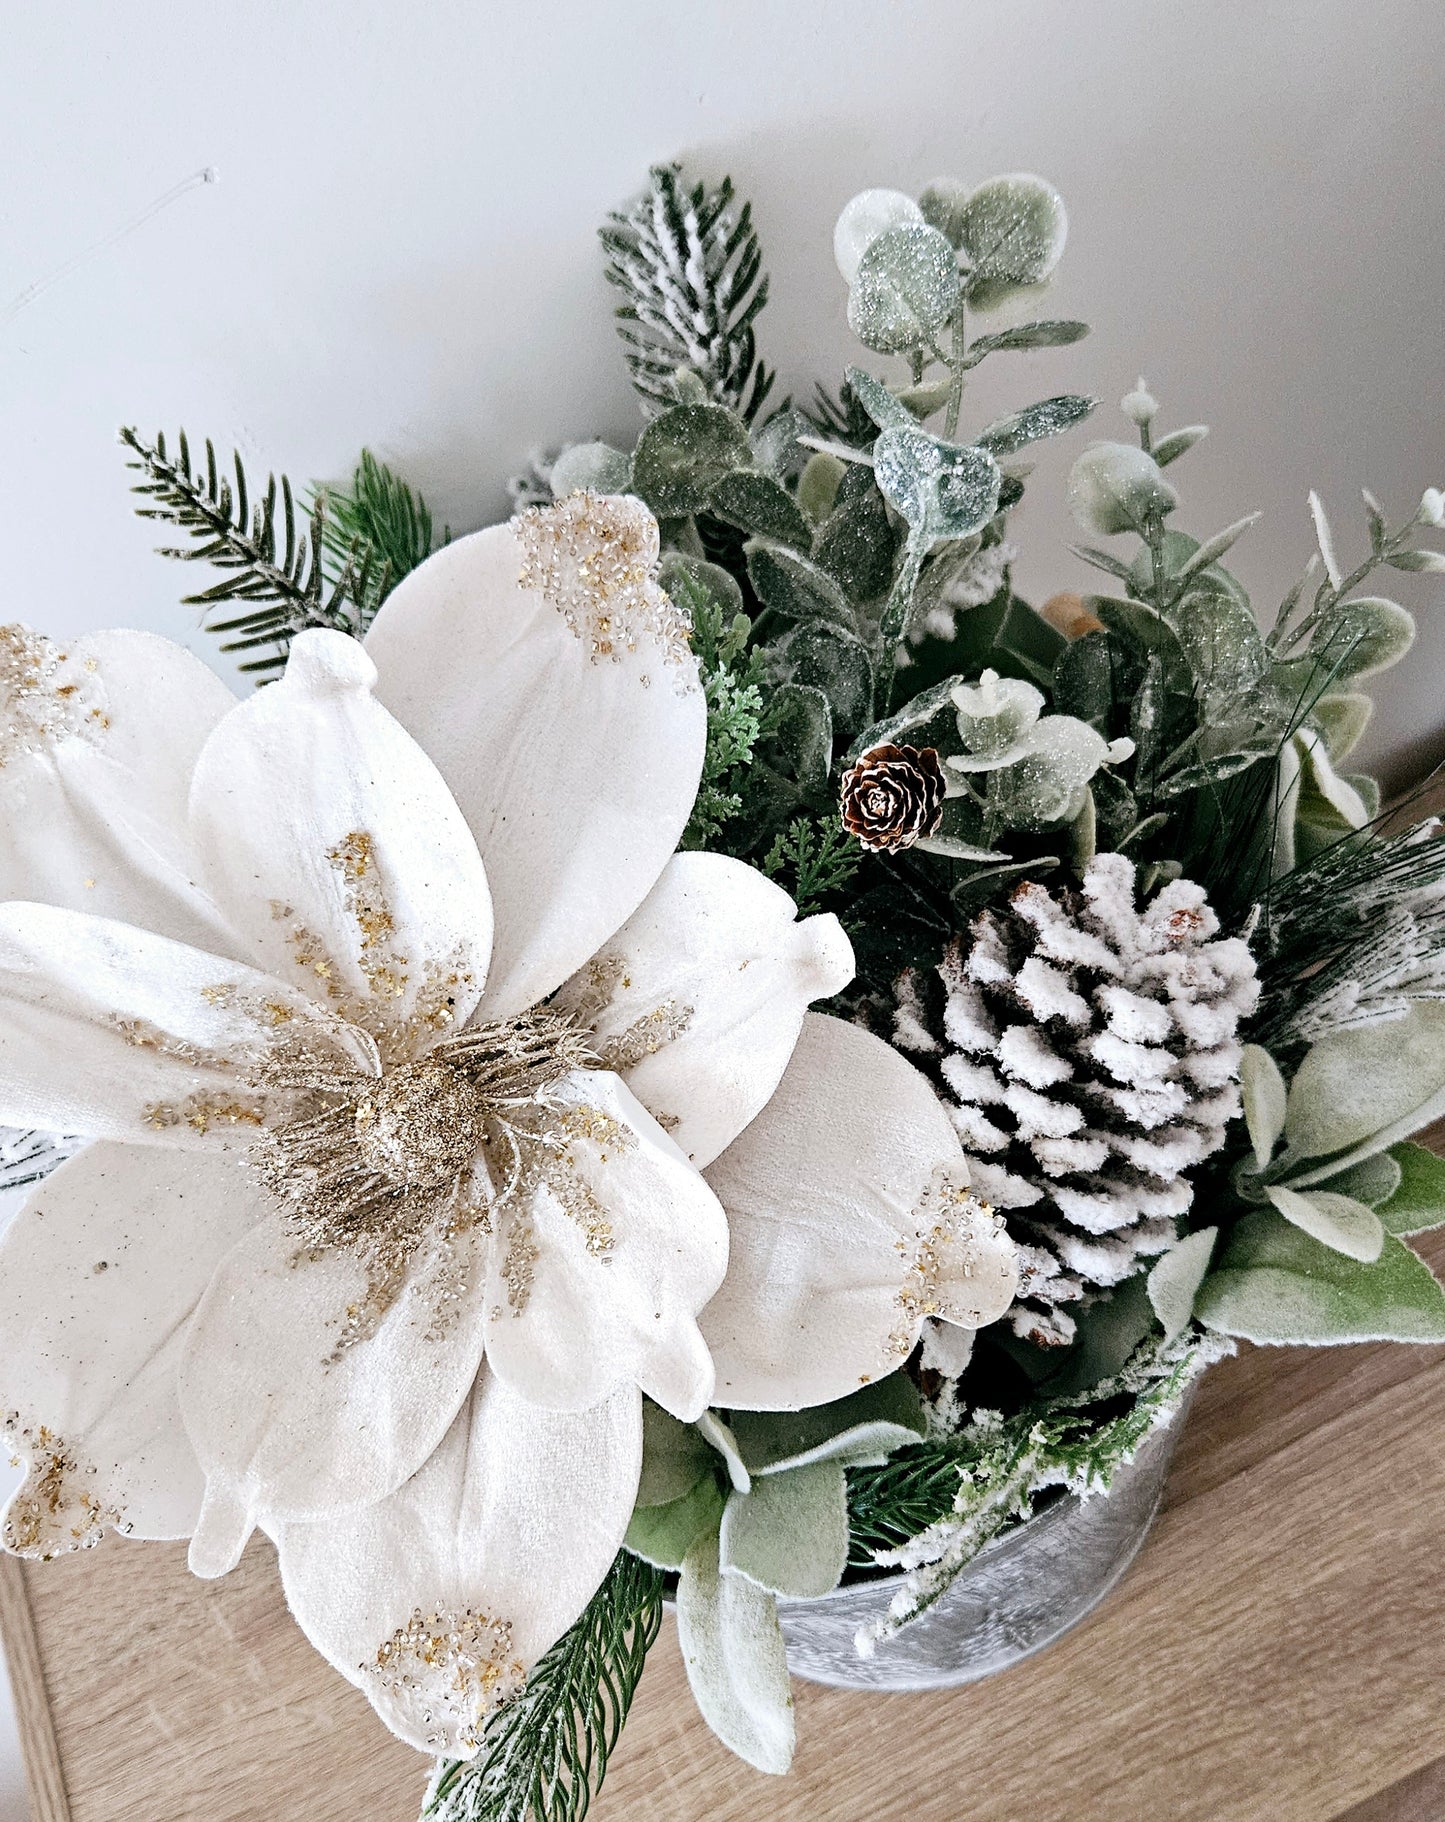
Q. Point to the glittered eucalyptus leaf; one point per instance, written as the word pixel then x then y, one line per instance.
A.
pixel 737 1667
pixel 1115 487
pixel 865 1427
pixel 1274 1283
pixel 993 716
pixel 1342 718
pixel 833 660
pixel 683 454
pixel 794 586
pixel 857 543
pixel 818 485
pixel 1224 646
pixel 790 1533
pixel 1174 1281
pixel 1046 785
pixel 1338 1222
pixel 663 1535
pixel 762 506
pixel 1418 1199
pixel 886 411
pixel 1048 418
pixel 776 448
pixel 1212 549
pixel 801 728
pixel 1363 636
pixel 1368 1086
pixel 862 219
pixel 595 467
pixel 1047 333
pixel 940 490
pixel 1177 443
pixel 942 204
pixel 905 289
pixel 1013 229
pixel 1177 551
pixel 674 1457
pixel 1263 1091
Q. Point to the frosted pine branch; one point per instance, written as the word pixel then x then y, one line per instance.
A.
pixel 1088 1053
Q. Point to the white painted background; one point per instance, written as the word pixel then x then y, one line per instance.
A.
pixel 397 246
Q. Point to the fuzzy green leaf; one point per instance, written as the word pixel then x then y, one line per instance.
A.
pixel 1364 636
pixel 1368 1085
pixel 1174 1281
pixel 1336 1221
pixel 864 1427
pixel 1372 1181
pixel 732 1648
pixel 1263 1090
pixel 1277 1284
pixel 790 1534
pixel 674 1457
pixel 1178 442
pixel 684 453
pixel 1418 1201
pixel 1343 717
pixel 663 1535
pixel 593 467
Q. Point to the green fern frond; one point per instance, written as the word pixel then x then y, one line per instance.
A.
pixel 381 513
pixel 690 273
pixel 819 855
pixel 546 1753
pixel 267 548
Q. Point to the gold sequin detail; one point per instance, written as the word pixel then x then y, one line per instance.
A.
pixel 57 1508
pixel 594 558
pixel 45 696
pixel 590 994
pixel 956 1240
pixel 203 1111
pixel 460 1667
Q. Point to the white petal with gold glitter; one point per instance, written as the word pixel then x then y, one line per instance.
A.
pixel 566 717
pixel 438 1601
pixel 604 1258
pixel 308 1384
pixel 99 1273
pixel 111 1032
pixel 97 740
pixel 850 1223
pixel 698 999
pixel 330 839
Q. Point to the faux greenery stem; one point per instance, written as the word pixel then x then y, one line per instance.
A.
pixel 955 389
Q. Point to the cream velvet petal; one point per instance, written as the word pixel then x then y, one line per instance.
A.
pixel 331 840
pixel 698 999
pixel 112 1032
pixel 503 1536
pixel 287 1420
pixel 99 1273
pixel 598 1283
pixel 577 774
pixel 828 1194
pixel 93 810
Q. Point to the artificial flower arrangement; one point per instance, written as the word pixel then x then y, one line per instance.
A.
pixel 694 1043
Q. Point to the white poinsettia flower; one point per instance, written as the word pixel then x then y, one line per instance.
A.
pixel 401 1053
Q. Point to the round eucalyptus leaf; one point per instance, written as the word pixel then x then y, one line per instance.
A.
pixel 942 205
pixel 940 490
pixel 994 713
pixel 1113 487
pixel 905 290
pixel 1047 784
pixel 869 214
pixel 1364 636
pixel 1013 229
pixel 593 467
pixel 1223 644
pixel 684 453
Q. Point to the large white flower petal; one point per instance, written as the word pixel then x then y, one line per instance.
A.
pixel 599 1273
pixel 113 1032
pixel 330 839
pixel 99 1273
pixel 435 1600
pixel 293 1418
pixel 845 1230
pixel 576 772
pixel 97 741
pixel 698 999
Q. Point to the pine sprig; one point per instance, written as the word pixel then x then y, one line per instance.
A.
pixel 546 1753
pixel 26 1156
pixel 381 513
pixel 268 548
pixel 819 856
pixel 690 273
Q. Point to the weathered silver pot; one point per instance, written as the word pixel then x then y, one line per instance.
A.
pixel 1020 1592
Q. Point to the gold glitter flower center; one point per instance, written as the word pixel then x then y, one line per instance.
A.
pixel 422 1126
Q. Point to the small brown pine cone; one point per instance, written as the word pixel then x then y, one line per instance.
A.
pixel 893 796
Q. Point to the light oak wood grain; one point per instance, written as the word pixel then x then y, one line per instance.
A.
pixel 1277 1654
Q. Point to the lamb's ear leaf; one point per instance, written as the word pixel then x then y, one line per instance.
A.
pixel 860 1430
pixel 1265 1095
pixel 1174 1281
pixel 790 1534
pixel 1372 1181
pixel 663 1535
pixel 1339 1222
pixel 674 1457
pixel 1360 1089
pixel 1276 1284
pixel 1418 1201
pixel 732 1646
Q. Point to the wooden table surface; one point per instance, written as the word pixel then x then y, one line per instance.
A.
pixel 1277 1653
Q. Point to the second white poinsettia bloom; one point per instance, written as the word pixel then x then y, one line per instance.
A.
pixel 395 1205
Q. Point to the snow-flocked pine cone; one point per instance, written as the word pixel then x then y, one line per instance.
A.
pixel 1088 1054
pixel 893 795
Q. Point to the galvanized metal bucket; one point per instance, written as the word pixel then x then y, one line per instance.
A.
pixel 1020 1592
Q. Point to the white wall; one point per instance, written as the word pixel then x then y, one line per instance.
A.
pixel 398 245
